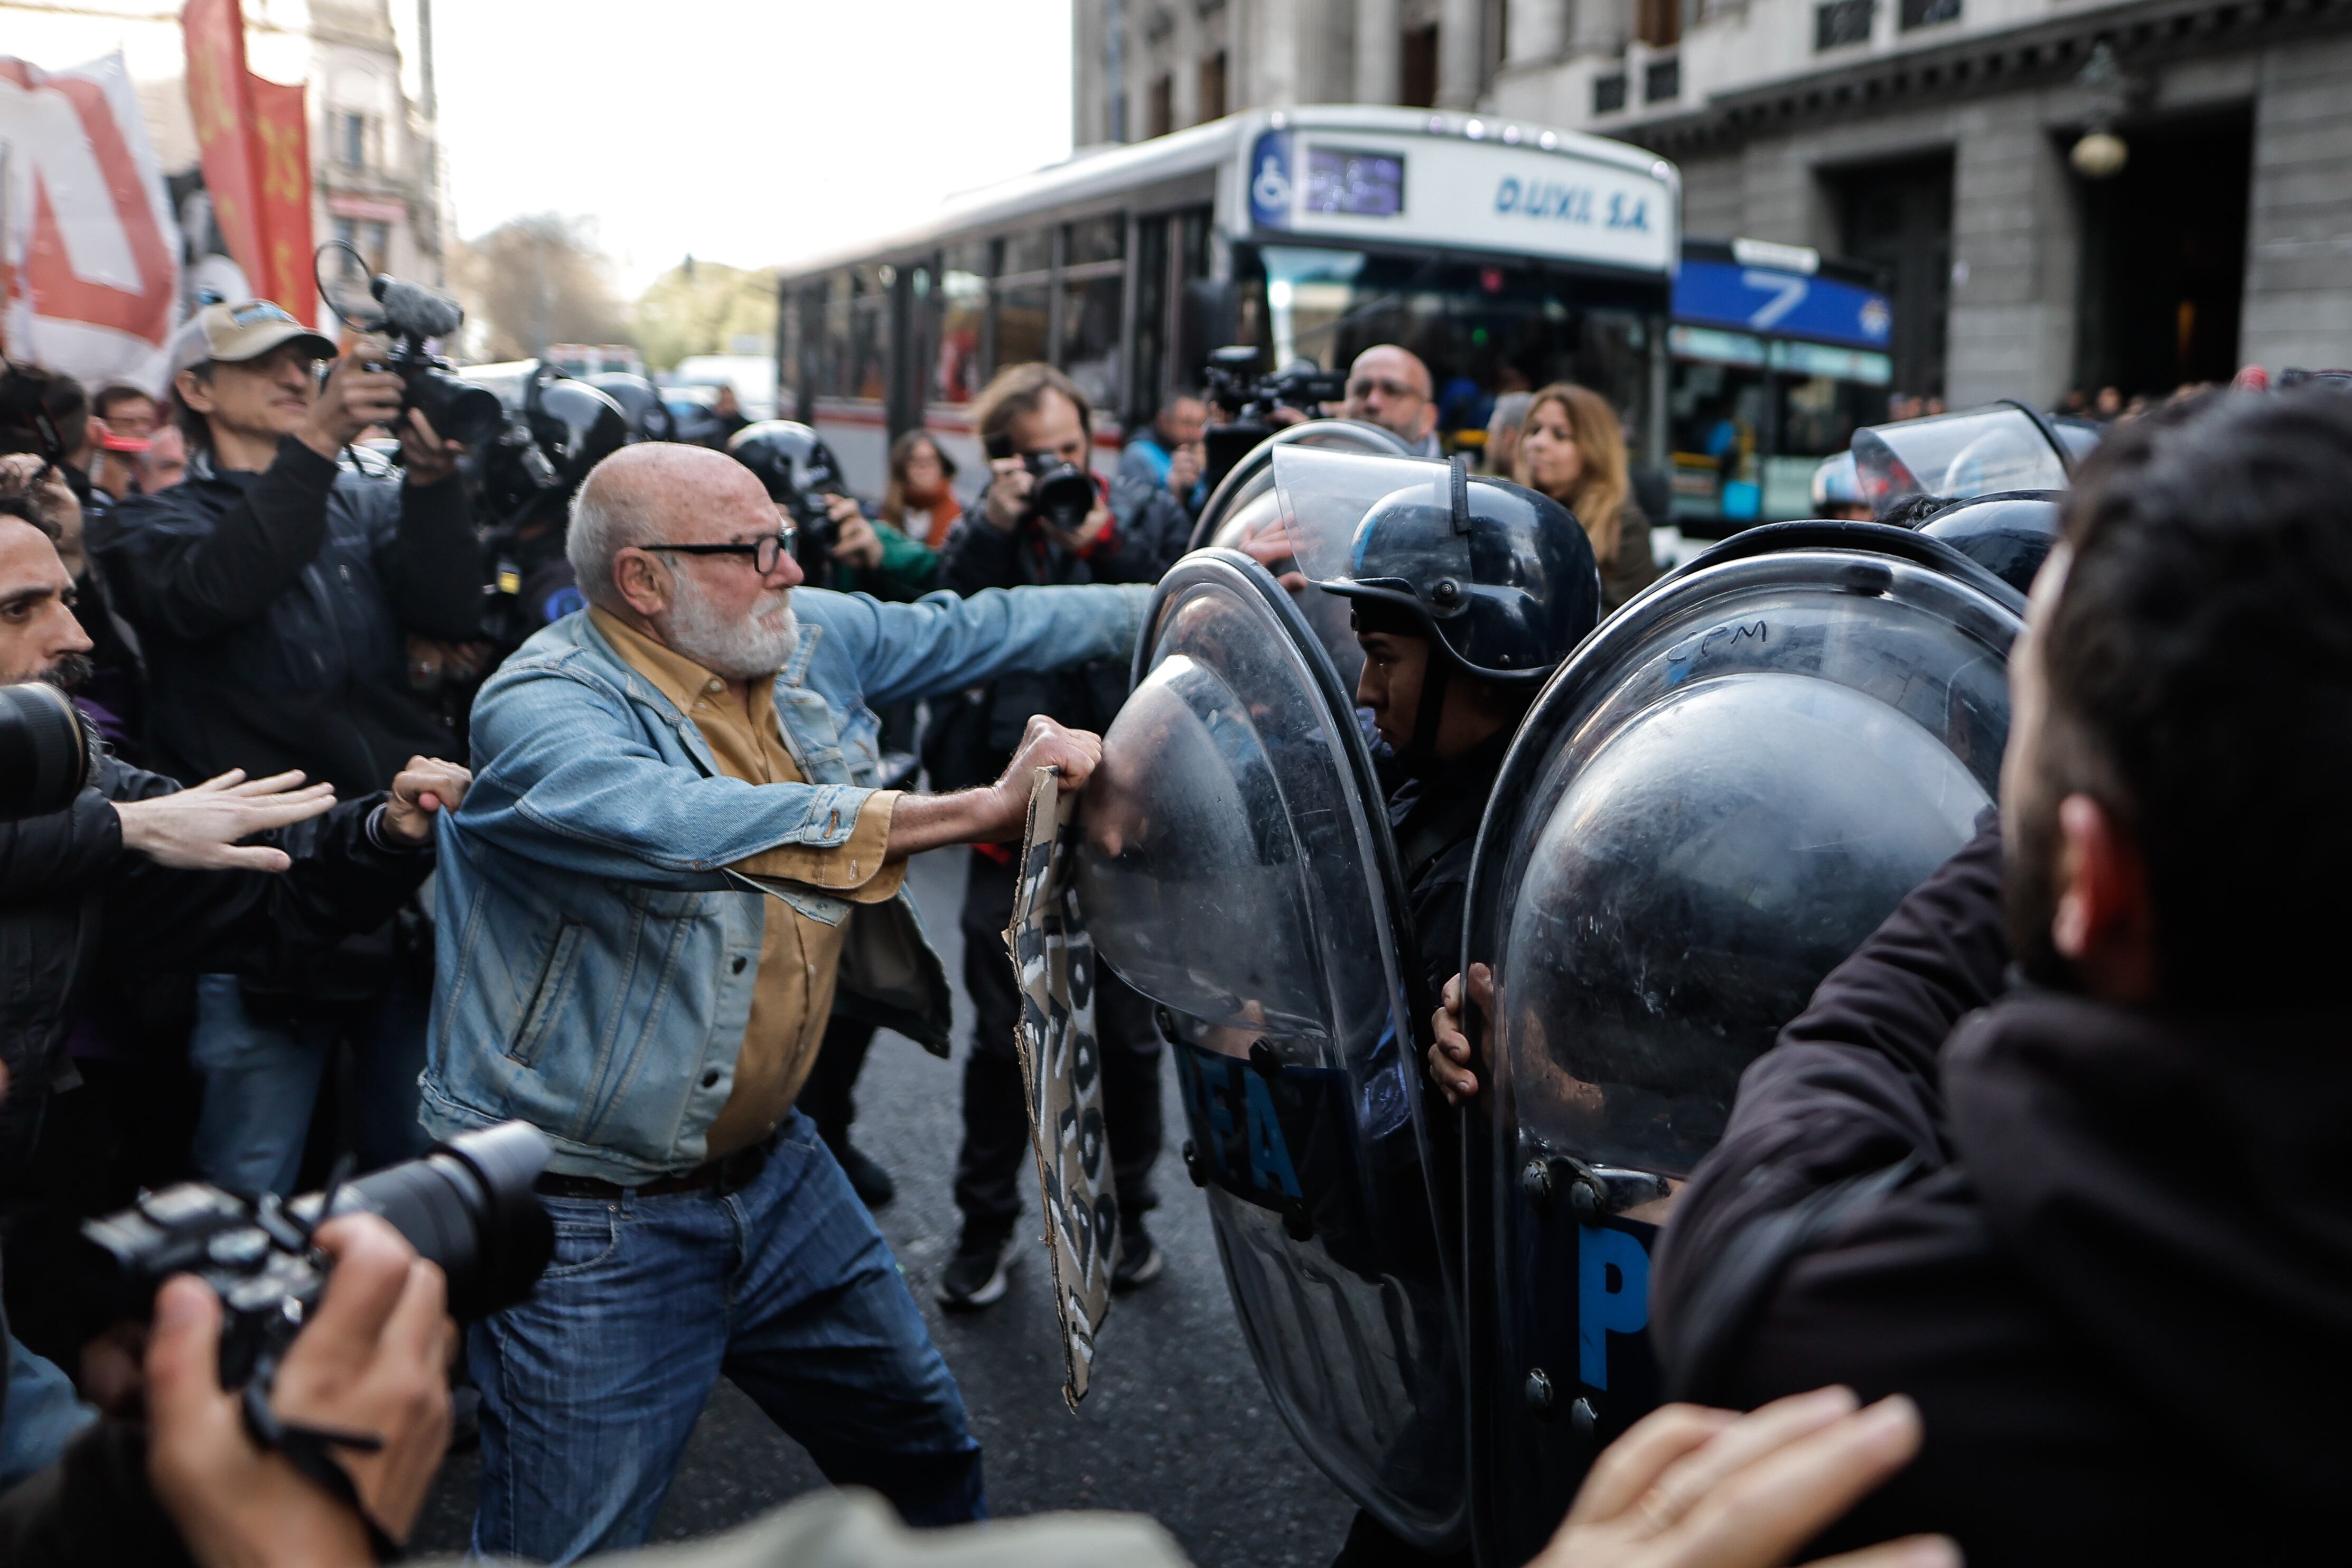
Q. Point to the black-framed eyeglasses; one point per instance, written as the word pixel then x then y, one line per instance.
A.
pixel 764 551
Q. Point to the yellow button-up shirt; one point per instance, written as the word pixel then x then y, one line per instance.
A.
pixel 798 956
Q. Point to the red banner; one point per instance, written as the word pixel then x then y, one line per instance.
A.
pixel 256 156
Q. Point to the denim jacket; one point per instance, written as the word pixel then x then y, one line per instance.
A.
pixel 596 955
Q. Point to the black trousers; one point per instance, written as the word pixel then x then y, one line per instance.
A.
pixel 995 1117
pixel 827 1095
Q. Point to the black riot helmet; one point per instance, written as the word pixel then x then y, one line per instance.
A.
pixel 794 462
pixel 557 429
pixel 2009 534
pixel 1501 580
pixel 641 401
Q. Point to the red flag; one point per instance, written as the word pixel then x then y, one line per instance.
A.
pixel 282 212
pixel 256 156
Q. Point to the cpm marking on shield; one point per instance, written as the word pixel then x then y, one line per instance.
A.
pixel 1612 1296
pixel 1214 1086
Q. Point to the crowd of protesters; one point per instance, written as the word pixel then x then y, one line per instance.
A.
pixel 2097 1049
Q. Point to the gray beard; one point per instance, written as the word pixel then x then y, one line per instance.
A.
pixel 746 649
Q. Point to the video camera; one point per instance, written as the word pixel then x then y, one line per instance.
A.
pixel 1250 400
pixel 467 1205
pixel 456 409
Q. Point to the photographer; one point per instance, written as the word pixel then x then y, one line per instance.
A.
pixel 275 592
pixel 1034 420
pixel 1168 453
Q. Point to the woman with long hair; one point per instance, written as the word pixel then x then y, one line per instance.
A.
pixel 1572 448
pixel 919 500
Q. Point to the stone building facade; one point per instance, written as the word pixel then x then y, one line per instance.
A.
pixel 1930 139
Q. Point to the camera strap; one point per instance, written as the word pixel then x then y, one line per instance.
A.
pixel 306 1448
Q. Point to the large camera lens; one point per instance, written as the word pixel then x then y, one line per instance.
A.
pixel 459 410
pixel 469 1207
pixel 46 755
pixel 1064 493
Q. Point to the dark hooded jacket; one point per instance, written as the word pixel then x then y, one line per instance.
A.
pixel 274 611
pixel 2108 1250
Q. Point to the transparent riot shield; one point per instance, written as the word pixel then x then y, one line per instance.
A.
pixel 1254 475
pixel 1711 804
pixel 1236 868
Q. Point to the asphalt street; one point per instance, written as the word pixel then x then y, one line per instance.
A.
pixel 1177 1426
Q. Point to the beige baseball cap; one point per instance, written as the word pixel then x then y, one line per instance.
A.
pixel 235 333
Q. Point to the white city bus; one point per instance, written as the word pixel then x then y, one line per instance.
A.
pixel 1505 255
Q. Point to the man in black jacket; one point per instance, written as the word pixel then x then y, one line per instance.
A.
pixel 1133 534
pixel 138 873
pixel 2092 1211
pixel 275 593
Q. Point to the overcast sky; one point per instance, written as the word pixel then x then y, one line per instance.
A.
pixel 745 132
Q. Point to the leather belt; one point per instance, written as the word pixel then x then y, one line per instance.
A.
pixel 727 1173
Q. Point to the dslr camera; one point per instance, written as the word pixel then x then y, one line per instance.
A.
pixel 48 751
pixel 457 409
pixel 467 1205
pixel 1064 493
pixel 1249 400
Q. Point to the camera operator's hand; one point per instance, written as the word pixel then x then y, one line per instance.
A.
pixel 1450 1052
pixel 855 544
pixel 359 391
pixel 373 1359
pixel 1184 465
pixel 428 458
pixel 197 829
pixel 1007 500
pixel 427 784
pixel 1089 532
pixel 25 474
pixel 1691 1487
pixel 1282 414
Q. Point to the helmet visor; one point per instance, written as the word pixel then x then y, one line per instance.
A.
pixel 1324 495
pixel 1955 454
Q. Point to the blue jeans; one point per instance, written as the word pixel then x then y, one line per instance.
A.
pixel 41 1416
pixel 590 1388
pixel 261 1081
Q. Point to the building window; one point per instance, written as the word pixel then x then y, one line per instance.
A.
pixel 1159 110
pixel 1212 86
pixel 1417 68
pixel 1843 22
pixel 1658 22
pixel 372 240
pixel 1661 79
pixel 1609 93
pixel 1928 12
pixel 355 139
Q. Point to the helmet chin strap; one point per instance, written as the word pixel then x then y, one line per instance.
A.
pixel 1420 755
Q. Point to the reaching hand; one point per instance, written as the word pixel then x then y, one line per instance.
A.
pixel 1690 1487
pixel 425 785
pixel 374 1360
pixel 1450 1052
pixel 197 829
pixel 1045 744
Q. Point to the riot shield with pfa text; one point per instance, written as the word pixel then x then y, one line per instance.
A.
pixel 1236 868
pixel 1713 802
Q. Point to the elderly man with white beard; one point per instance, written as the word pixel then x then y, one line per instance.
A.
pixel 672 851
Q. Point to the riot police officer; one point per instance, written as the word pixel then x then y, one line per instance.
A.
pixel 1465 597
pixel 1464 603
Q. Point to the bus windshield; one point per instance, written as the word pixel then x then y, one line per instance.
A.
pixel 1483 327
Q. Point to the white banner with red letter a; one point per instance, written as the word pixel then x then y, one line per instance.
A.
pixel 90 255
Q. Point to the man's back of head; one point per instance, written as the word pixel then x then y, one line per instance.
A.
pixel 2197 659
